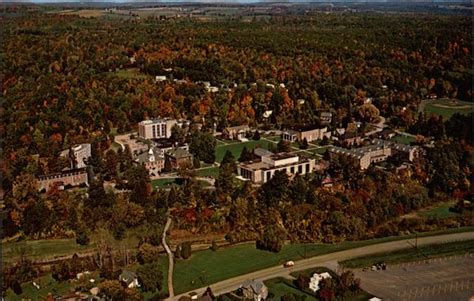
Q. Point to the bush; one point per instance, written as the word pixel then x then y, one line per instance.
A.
pixel 214 246
pixel 81 237
pixel 16 287
pixel 256 135
pixel 186 250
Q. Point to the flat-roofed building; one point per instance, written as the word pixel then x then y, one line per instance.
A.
pixel 308 133
pixel 163 145
pixel 263 169
pixel 379 151
pixel 158 128
pixel 63 179
pixel 81 153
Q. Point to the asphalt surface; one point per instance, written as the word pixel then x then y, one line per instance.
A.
pixel 328 260
pixel 441 279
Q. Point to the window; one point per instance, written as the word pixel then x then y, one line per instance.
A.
pixel 300 168
pixel 307 167
pixel 292 169
pixel 269 175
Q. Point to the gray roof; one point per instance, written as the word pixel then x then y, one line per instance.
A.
pixel 127 277
pixel 260 152
pixel 256 285
pixel 145 156
pixel 178 153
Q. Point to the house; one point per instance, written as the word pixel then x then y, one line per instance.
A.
pixel 236 132
pixel 129 278
pixel 77 155
pixel 254 289
pixel 163 145
pixel 263 169
pixel 66 178
pixel 152 160
pixel 178 157
pixel 310 133
pixel 387 134
pixel 314 281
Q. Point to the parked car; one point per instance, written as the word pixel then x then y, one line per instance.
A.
pixel 289 264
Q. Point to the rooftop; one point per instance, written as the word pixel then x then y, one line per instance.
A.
pixel 178 153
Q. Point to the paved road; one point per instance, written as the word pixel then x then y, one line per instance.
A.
pixel 328 260
pixel 170 258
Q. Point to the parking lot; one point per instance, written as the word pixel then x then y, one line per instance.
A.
pixel 443 279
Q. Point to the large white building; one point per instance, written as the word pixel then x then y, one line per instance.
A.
pixel 263 169
pixel 81 153
pixel 158 128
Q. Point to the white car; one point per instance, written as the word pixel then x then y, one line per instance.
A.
pixel 289 263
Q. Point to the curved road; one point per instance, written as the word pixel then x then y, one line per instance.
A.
pixel 329 260
pixel 170 258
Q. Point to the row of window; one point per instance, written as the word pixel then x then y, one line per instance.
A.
pixel 293 170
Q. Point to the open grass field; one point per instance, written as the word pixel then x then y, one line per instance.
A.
pixel 236 148
pixel 441 211
pixel 47 284
pixel 403 139
pixel 447 108
pixel 207 267
pixel 422 253
pixel 133 73
pixel 212 172
pixel 51 248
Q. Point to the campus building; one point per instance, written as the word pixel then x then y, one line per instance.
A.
pixel 158 128
pixel 379 151
pixel 81 153
pixel 308 133
pixel 263 169
pixel 69 178
pixel 152 160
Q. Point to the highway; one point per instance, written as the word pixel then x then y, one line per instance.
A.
pixel 329 260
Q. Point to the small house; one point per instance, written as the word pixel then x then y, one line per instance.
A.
pixel 129 278
pixel 254 290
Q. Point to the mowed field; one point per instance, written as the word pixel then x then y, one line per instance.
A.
pixel 447 107
pixel 236 147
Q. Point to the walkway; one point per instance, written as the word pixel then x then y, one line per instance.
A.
pixel 170 258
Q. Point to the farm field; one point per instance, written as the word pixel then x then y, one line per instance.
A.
pixel 447 108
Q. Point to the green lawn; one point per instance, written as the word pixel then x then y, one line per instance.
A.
pixel 50 248
pixel 425 252
pixel 207 267
pixel 47 284
pixel 320 151
pixel 208 172
pixel 133 73
pixel 280 287
pixel 446 108
pixel 403 139
pixel 236 148
pixel 441 211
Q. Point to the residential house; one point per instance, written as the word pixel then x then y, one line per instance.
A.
pixel 152 160
pixel 178 157
pixel 316 279
pixel 129 278
pixel 263 169
pixel 236 132
pixel 254 290
pixel 77 155
pixel 310 133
